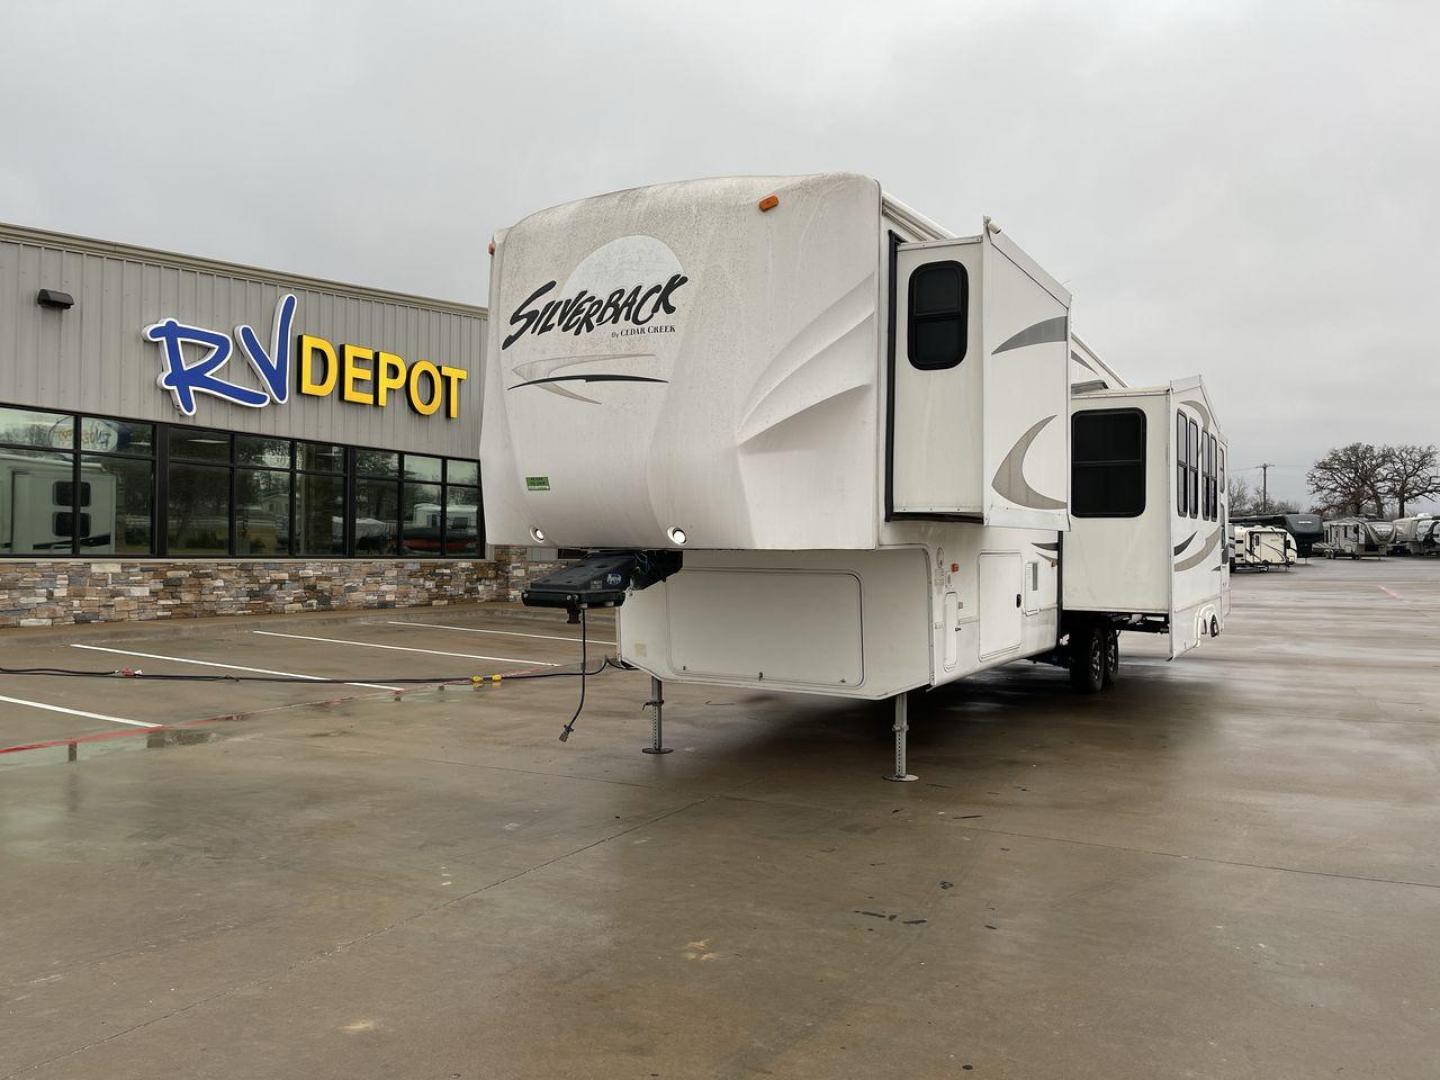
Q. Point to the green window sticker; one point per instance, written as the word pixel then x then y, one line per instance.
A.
pixel 537 483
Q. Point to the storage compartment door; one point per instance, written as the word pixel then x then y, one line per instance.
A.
pixel 791 627
pixel 1001 589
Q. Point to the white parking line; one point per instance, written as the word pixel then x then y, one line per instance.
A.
pixel 406 648
pixel 76 712
pixel 232 667
pixel 506 633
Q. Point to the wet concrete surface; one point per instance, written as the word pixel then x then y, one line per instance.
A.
pixel 1228 866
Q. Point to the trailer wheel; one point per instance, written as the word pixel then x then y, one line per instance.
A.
pixel 1112 656
pixel 1088 659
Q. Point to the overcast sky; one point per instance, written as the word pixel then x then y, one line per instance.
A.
pixel 1245 191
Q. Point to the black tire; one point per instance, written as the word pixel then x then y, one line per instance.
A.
pixel 1112 656
pixel 1087 659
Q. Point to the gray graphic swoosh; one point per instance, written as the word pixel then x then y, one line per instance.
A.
pixel 1185 543
pixel 588 378
pixel 1045 330
pixel 1010 482
pixel 1200 556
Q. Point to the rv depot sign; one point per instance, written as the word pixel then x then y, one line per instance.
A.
pixel 363 375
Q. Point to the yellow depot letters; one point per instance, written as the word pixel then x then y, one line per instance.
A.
pixel 368 377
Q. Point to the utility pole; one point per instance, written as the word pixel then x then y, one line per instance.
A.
pixel 1265 468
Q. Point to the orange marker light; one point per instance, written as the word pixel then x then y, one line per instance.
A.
pixel 492 247
pixel 769 202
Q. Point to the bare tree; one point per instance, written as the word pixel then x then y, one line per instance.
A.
pixel 1348 479
pixel 1239 497
pixel 1244 500
pixel 1409 473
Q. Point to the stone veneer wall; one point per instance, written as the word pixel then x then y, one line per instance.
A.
pixel 56 592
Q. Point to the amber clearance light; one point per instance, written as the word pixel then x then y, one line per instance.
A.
pixel 769 202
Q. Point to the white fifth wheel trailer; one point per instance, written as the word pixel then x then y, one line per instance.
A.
pixel 819 444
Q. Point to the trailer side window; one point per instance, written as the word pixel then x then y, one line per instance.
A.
pixel 1214 478
pixel 939 311
pixel 1205 476
pixel 1107 463
pixel 1182 468
pixel 1193 461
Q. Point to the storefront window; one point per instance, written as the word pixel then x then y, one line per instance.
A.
pixel 462 519
pixel 271 453
pixel 37 503
pixel 262 512
pixel 27 427
pixel 198 510
pixel 319 514
pixel 376 511
pixel 194 444
pixel 217 493
pixel 381 463
pixel 319 457
pixel 99 436
pixel 122 494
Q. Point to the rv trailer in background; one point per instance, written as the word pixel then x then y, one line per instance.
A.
pixel 1355 538
pixel 1418 535
pixel 816 443
pixel 1306 530
pixel 1259 547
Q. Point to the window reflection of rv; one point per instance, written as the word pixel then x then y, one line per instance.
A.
pixel 422 528
pixel 36 505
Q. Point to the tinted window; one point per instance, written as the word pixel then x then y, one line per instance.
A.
pixel 319 515
pixel 1192 444
pixel 936 328
pixel 462 472
pixel 190 444
pixel 124 497
pixel 1108 463
pixel 422 468
pixel 1182 468
pixel 198 510
pixel 116 437
pixel 262 512
pixel 319 457
pixel 30 428
pixel 270 453
pixel 377 463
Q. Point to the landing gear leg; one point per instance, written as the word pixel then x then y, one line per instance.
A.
pixel 902 732
pixel 656 702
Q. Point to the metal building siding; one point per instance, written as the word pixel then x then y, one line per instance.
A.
pixel 92 357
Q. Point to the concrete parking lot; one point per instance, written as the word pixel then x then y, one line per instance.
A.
pixel 1229 866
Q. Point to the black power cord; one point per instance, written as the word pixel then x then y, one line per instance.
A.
pixel 435 680
pixel 568 728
